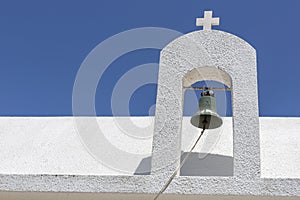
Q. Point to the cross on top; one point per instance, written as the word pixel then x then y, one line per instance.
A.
pixel 208 21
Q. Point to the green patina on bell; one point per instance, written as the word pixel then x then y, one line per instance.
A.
pixel 207 116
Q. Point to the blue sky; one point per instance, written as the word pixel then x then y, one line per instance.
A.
pixel 43 43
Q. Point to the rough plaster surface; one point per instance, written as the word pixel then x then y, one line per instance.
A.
pixel 51 145
pixel 45 154
pixel 123 196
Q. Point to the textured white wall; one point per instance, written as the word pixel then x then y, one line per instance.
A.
pixel 51 145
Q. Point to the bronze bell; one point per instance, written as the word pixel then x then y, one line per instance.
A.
pixel 207 117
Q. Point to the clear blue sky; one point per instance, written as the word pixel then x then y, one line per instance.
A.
pixel 43 43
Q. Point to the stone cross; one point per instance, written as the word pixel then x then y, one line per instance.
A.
pixel 208 21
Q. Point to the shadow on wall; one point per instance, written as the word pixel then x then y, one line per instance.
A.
pixel 198 164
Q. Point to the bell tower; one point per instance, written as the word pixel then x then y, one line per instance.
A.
pixel 207 55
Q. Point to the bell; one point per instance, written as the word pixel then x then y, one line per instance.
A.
pixel 207 117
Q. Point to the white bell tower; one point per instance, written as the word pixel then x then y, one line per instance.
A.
pixel 207 55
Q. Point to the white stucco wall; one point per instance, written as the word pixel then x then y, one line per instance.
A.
pixel 51 145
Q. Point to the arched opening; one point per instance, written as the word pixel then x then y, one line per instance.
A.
pixel 213 156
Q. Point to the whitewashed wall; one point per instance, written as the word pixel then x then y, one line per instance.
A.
pixel 51 145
